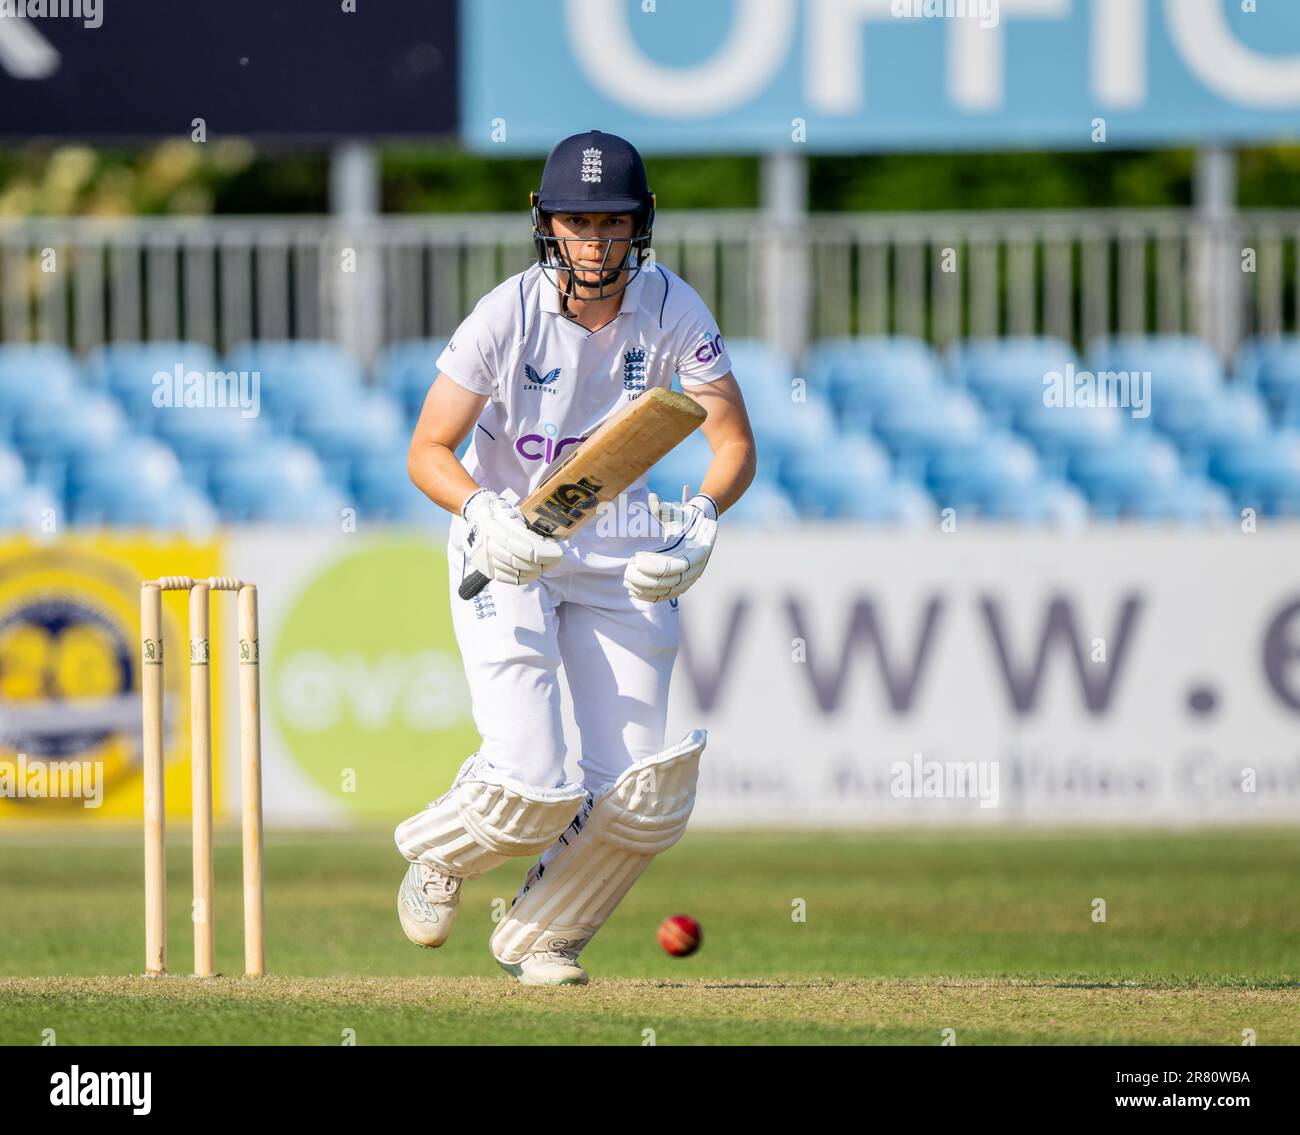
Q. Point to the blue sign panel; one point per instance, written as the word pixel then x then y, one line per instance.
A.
pixel 849 75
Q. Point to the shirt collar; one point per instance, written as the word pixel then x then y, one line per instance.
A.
pixel 550 298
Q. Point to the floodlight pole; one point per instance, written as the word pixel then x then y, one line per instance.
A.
pixel 1219 274
pixel 355 268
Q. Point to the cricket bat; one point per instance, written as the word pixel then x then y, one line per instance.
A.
pixel 620 450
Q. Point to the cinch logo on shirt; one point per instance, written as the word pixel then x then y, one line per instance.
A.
pixel 535 381
pixel 710 349
pixel 538 447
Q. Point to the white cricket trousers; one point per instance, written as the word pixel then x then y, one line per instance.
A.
pixel 617 651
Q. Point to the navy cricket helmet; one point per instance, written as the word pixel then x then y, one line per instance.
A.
pixel 593 172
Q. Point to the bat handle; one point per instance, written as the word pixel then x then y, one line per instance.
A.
pixel 472 584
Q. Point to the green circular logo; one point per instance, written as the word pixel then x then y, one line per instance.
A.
pixel 366 680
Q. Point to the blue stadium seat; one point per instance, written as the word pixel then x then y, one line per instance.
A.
pixel 684 465
pixel 1114 480
pixel 50 434
pixel 1038 503
pixel 763 505
pixel 273 481
pixel 860 406
pixel 1261 473
pixel 407 369
pixel 1180 378
pixel 127 372
pixel 840 500
pixel 22 505
pixel 27 365
pixel 765 375
pixel 917 431
pixel 794 425
pixel 54 428
pixel 1290 416
pixel 31 376
pixel 297 375
pixel 870 370
pixel 804 426
pixel 1176 362
pixel 384 492
pixel 204 437
pixel 123 467
pixel 25 508
pixel 146 507
pixel 1061 434
pixel 13 473
pixel 820 480
pixel 1006 374
pixel 343 433
pixel 982 467
pixel 1235 415
pixel 895 503
pixel 1182 417
pixel 320 505
pixel 1272 367
pixel 1186 500
pixel 787 417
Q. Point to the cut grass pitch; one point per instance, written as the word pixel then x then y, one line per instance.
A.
pixel 475 1010
pixel 903 935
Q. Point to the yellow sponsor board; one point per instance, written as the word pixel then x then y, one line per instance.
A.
pixel 70 656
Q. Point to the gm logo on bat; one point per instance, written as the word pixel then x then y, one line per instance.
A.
pixel 567 505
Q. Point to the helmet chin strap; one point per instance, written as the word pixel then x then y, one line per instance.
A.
pixel 570 290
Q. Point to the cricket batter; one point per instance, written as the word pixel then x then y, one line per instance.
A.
pixel 541 361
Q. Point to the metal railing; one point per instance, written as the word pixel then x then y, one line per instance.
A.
pixel 1077 275
pixel 940 276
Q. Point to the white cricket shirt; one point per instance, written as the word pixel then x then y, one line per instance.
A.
pixel 552 382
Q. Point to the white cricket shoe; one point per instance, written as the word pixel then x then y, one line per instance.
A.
pixel 549 967
pixel 427 902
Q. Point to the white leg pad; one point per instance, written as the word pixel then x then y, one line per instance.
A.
pixel 575 887
pixel 484 819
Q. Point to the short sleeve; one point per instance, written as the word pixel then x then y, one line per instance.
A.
pixel 701 354
pixel 470 357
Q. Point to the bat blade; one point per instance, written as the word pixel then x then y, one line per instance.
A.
pixel 619 452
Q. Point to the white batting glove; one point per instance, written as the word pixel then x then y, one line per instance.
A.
pixel 501 545
pixel 692 529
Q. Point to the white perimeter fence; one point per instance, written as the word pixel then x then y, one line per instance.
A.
pixel 941 276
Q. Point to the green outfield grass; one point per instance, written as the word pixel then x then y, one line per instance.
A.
pixel 906 934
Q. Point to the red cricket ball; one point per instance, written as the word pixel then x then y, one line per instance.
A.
pixel 679 935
